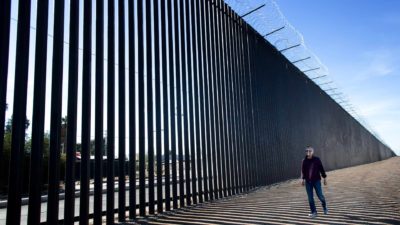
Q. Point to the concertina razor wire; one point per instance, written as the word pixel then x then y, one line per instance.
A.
pixel 268 20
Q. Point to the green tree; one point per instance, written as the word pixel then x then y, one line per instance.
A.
pixel 46 145
pixel 9 122
pixel 63 135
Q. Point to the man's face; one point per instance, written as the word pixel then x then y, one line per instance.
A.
pixel 309 152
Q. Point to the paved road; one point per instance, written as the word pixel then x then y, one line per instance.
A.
pixel 366 194
pixel 43 209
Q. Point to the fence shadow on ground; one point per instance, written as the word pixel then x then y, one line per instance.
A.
pixel 366 194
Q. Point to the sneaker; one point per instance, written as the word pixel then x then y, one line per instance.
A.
pixel 325 211
pixel 312 215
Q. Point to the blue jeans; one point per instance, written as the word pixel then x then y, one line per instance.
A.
pixel 310 185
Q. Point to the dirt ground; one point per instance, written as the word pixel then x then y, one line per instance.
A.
pixel 366 194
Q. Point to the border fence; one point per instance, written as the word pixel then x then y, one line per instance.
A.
pixel 195 103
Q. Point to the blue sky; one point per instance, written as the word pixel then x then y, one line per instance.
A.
pixel 359 42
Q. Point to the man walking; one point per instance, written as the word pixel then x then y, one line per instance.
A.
pixel 311 171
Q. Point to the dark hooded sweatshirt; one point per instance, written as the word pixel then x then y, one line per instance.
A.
pixel 312 168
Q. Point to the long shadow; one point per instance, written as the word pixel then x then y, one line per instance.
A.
pixel 348 203
pixel 229 212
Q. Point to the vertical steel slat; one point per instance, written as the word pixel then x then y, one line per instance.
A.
pixel 86 103
pixel 203 98
pixel 238 114
pixel 99 108
pixel 269 121
pixel 157 74
pixel 187 111
pixel 280 122
pixel 121 111
pixel 254 102
pixel 258 116
pixel 239 148
pixel 180 73
pixel 213 125
pixel 233 163
pixel 233 70
pixel 237 106
pixel 265 177
pixel 132 110
pixel 248 166
pixel 259 168
pixel 5 12
pixel 69 202
pixel 240 109
pixel 230 66
pixel 150 129
pixel 259 109
pixel 55 114
pixel 221 103
pixel 242 149
pixel 207 99
pixel 216 105
pixel 242 74
pixel 141 110
pixel 192 80
pixel 245 107
pixel 274 121
pixel 185 89
pixel 206 89
pixel 202 90
pixel 244 114
pixel 266 120
pixel 210 140
pixel 276 125
pixel 19 117
pixel 196 81
pixel 110 113
pixel 221 98
pixel 261 130
pixel 212 107
pixel 173 73
pixel 227 116
pixel 227 147
pixel 234 101
pixel 35 175
pixel 252 166
pixel 165 22
pixel 230 109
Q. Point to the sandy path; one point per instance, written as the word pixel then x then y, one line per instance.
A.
pixel 366 194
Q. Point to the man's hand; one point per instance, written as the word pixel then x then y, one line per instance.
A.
pixel 325 183
pixel 302 182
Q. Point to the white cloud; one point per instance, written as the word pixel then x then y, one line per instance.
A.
pixel 384 117
pixel 378 108
pixel 378 63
